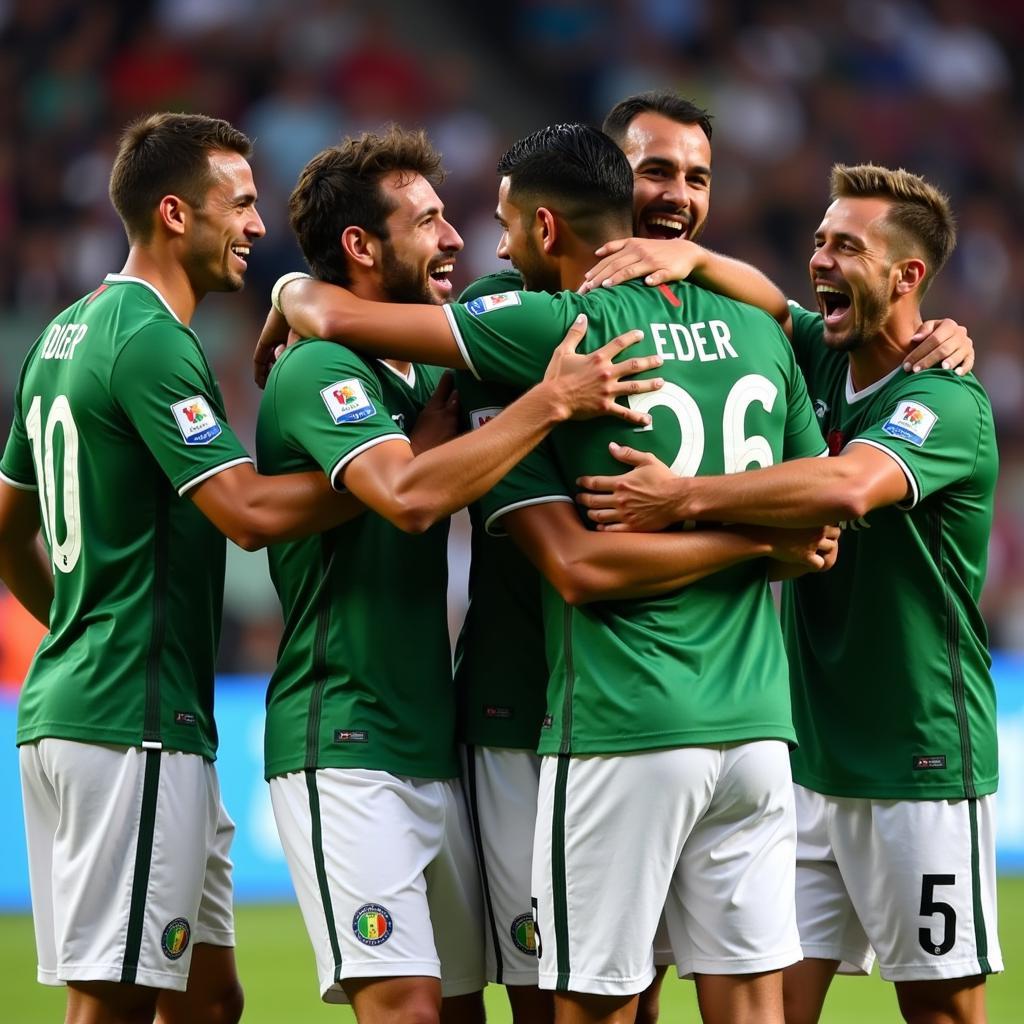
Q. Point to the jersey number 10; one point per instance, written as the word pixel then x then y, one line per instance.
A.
pixel 65 553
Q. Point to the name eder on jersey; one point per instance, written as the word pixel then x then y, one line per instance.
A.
pixel 62 340
pixel 705 341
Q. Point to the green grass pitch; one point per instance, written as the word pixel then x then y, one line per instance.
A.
pixel 276 966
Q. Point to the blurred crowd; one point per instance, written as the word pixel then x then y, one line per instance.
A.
pixel 932 86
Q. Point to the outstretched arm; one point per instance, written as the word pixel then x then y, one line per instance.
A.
pixel 24 567
pixel 803 492
pixel 585 566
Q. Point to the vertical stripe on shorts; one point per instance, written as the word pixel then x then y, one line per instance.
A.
pixel 980 932
pixel 143 860
pixel 481 861
pixel 321 870
pixel 558 882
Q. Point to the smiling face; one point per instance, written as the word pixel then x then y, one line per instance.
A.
pixel 224 227
pixel 419 253
pixel 671 165
pixel 853 271
pixel 519 244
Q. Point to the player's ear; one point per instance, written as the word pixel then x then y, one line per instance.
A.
pixel 173 214
pixel 546 226
pixel 909 275
pixel 360 246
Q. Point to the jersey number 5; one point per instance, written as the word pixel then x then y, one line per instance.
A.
pixel 931 906
pixel 739 451
pixel 65 553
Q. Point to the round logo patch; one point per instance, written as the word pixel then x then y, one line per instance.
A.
pixel 372 924
pixel 523 934
pixel 174 940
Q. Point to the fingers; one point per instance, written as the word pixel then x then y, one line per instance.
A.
pixel 574 335
pixel 624 412
pixel 445 387
pixel 620 344
pixel 941 343
pixel 596 500
pixel 613 246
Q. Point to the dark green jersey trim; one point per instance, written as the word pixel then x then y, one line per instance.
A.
pixel 478 842
pixel 161 531
pixel 558 879
pixel 140 876
pixel 323 631
pixel 980 932
pixel 317 839
pixel 956 672
pixel 570 673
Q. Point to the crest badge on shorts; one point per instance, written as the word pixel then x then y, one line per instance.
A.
pixel 524 935
pixel 174 940
pixel 372 924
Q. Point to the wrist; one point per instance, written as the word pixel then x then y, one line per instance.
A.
pixel 281 283
pixel 556 406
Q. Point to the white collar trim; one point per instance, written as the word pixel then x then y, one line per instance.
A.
pixel 409 378
pixel 856 396
pixel 126 279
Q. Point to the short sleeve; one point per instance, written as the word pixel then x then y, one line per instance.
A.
pixel 807 331
pixel 165 387
pixel 536 480
pixel 329 403
pixel 16 466
pixel 508 337
pixel 934 430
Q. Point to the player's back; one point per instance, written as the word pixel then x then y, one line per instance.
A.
pixel 138 571
pixel 704 664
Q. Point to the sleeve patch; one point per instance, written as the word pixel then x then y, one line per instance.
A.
pixel 347 401
pixel 478 417
pixel 911 422
pixel 195 420
pixel 486 303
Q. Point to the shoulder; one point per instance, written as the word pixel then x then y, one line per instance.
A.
pixel 315 355
pixel 491 284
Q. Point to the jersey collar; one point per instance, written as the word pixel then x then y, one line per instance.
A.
pixel 853 395
pixel 125 279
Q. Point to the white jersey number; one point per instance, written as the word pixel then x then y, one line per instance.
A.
pixel 65 553
pixel 739 451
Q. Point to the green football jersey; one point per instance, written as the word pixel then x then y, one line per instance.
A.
pixel 117 416
pixel 892 696
pixel 363 677
pixel 500 669
pixel 704 664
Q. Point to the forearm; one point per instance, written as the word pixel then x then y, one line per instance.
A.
pixel 804 492
pixel 26 572
pixel 440 481
pixel 586 566
pixel 740 281
pixel 315 309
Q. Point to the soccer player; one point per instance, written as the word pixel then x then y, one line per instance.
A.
pixel 120 452
pixel 639 703
pixel 360 749
pixel 897 764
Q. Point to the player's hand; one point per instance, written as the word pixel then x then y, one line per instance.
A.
pixel 813 549
pixel 271 344
pixel 942 342
pixel 438 420
pixel 590 383
pixel 654 259
pixel 640 501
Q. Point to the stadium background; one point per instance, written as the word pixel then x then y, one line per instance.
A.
pixel 793 87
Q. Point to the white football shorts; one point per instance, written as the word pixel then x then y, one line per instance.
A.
pixel 911 880
pixel 128 861
pixel 708 833
pixel 385 874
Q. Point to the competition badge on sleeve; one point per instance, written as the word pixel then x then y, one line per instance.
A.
pixel 911 422
pixel 478 417
pixel 487 303
pixel 347 402
pixel 195 420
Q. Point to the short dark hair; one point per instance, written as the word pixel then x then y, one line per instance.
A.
pixel 920 217
pixel 340 188
pixel 578 169
pixel 668 104
pixel 167 154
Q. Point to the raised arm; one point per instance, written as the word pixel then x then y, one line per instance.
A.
pixel 585 566
pixel 24 567
pixel 803 492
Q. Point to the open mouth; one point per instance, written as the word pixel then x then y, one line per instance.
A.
pixel 440 276
pixel 834 304
pixel 241 253
pixel 666 225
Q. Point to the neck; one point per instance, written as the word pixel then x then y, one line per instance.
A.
pixel 367 286
pixel 167 276
pixel 887 349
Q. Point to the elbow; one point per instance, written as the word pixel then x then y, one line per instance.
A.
pixel 576 582
pixel 412 516
pixel 249 539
